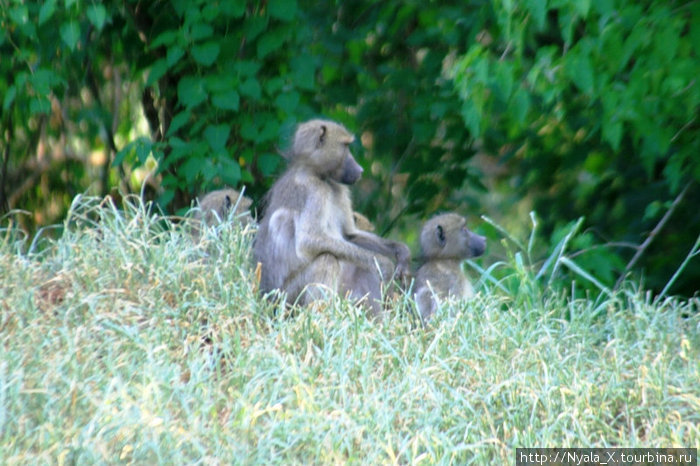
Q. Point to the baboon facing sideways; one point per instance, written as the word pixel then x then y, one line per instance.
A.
pixel 216 205
pixel 445 243
pixel 307 242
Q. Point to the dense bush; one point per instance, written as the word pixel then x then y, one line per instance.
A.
pixel 569 108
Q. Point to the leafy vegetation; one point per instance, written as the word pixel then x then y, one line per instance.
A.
pixel 595 106
pixel 125 340
pixel 569 108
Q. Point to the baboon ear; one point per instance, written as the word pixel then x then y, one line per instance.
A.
pixel 322 137
pixel 440 236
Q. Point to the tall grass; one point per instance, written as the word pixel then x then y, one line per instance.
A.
pixel 127 341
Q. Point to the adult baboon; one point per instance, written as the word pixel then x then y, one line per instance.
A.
pixel 216 205
pixel 445 242
pixel 307 242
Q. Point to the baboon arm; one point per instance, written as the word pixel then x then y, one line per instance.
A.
pixel 386 247
pixel 311 246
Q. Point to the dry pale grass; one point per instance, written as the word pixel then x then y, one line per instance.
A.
pixel 125 341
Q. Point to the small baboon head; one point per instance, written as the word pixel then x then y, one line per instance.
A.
pixel 324 146
pixel 447 237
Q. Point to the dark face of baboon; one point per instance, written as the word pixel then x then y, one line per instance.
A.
pixel 447 237
pixel 325 147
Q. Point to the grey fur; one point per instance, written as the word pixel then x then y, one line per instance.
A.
pixel 216 205
pixel 307 242
pixel 446 243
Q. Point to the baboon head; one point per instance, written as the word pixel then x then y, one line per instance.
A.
pixel 324 146
pixel 447 237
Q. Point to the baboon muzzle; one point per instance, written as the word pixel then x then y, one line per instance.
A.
pixel 351 171
pixel 477 244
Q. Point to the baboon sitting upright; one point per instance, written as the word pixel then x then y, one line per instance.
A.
pixel 445 242
pixel 307 241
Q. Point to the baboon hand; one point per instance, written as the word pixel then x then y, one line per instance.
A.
pixel 403 262
pixel 403 271
pixel 386 267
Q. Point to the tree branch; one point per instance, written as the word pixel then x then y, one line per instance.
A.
pixel 643 247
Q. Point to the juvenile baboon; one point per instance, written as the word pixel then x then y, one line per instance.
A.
pixel 216 205
pixel 445 242
pixel 307 241
pixel 362 222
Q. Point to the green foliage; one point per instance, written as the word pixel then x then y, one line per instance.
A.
pixel 573 108
pixel 386 62
pixel 595 105
pixel 225 79
pixel 125 340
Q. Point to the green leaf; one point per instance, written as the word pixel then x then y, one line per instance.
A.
pixel 70 33
pixel 157 71
pixel 472 118
pixel 9 98
pixel 166 38
pixel 284 10
pixel 267 163
pixel 288 102
pixel 251 88
pixel 216 136
pixel 582 7
pixel 270 41
pixel 190 91
pixel 46 11
pixel 249 130
pixel 304 71
pixel 174 54
pixel 143 149
pixel 206 53
pixel 270 129
pixel 220 82
pixel 274 85
pixel 178 122
pixel 19 15
pixel 233 8
pixel 247 68
pixel 166 196
pixel 193 167
pixel 231 173
pixel 503 80
pixel 652 210
pixel 538 9
pixel 580 71
pixel 228 100
pixel 200 31
pixel 44 80
pixel 39 105
pixel 97 14
pixel 612 133
pixel 520 105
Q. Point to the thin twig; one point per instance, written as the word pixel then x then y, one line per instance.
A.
pixel 4 205
pixel 643 247
pixel 613 244
pixel 694 251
